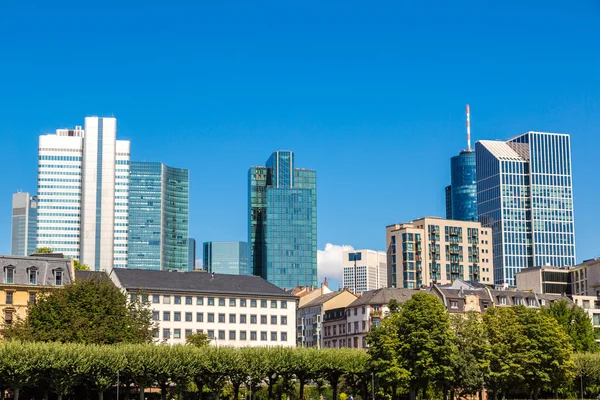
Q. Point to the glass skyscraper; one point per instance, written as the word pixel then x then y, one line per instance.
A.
pixel 158 217
pixel 282 231
pixel 226 257
pixel 525 194
pixel 24 217
pixel 461 195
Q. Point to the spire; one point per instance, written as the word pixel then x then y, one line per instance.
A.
pixel 468 129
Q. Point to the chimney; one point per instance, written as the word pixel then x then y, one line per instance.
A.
pixel 326 283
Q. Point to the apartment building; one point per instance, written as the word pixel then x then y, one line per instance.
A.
pixel 233 310
pixel 434 250
pixel 364 270
pixel 307 294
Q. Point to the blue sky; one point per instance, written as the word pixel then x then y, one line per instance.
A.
pixel 370 94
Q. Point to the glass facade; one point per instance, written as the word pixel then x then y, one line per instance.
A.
pixel 191 254
pixel 158 217
pixel 226 257
pixel 524 193
pixel 24 218
pixel 448 191
pixel 463 187
pixel 283 222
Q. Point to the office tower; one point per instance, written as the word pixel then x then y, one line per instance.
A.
pixel 282 231
pixel 461 195
pixel 364 270
pixel 158 217
pixel 433 250
pixel 60 159
pixel 192 254
pixel 24 217
pixel 525 194
pixel 225 257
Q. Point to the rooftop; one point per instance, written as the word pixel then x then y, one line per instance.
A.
pixel 383 296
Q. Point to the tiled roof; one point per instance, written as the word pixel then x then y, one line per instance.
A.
pixel 45 265
pixel 90 275
pixel 383 296
pixel 197 282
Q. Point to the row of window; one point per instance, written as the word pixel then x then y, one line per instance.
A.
pixel 222 302
pixel 221 335
pixel 9 299
pixel 221 317
pixel 9 276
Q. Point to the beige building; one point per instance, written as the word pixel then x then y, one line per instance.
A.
pixel 364 270
pixel 434 250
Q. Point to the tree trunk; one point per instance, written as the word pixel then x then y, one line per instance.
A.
pixel 535 393
pixel 270 388
pixel 59 396
pixel 180 395
pixel 163 393
pixel 141 392
pixel 16 393
pixel 301 390
pixel 413 394
pixel 101 395
pixel 334 388
pixel 236 391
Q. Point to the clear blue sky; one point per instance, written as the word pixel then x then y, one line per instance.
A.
pixel 370 94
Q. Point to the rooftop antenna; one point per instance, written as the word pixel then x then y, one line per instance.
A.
pixel 468 128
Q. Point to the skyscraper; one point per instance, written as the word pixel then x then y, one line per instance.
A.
pixel 364 270
pixel 525 194
pixel 225 257
pixel 83 178
pixel 282 231
pixel 24 217
pixel 192 254
pixel 461 195
pixel 158 217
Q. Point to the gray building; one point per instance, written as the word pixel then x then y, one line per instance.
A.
pixel 226 257
pixel 191 254
pixel 24 217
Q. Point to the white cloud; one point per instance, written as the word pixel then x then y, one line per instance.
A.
pixel 329 262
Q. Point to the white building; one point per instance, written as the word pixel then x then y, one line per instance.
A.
pixel 364 270
pixel 233 310
pixel 83 183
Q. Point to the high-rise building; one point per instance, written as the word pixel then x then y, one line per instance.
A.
pixel 24 217
pixel 158 217
pixel 433 250
pixel 364 270
pixel 461 195
pixel 192 254
pixel 282 222
pixel 83 178
pixel 525 194
pixel 225 257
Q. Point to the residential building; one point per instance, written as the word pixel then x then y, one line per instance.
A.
pixel 24 219
pixel 591 305
pixel 312 314
pixel 158 217
pixel 282 222
pixel 307 294
pixel 585 278
pixel 334 329
pixel 233 310
pixel 24 278
pixel 364 270
pixel 191 254
pixel 226 257
pixel 83 181
pixel 433 250
pixel 525 194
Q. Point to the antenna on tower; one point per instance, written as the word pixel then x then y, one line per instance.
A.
pixel 468 129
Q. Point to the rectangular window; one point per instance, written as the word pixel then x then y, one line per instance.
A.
pixel 242 335
pixel 177 334
pixel 273 303
pixel 221 335
pixel 242 318
pixel 155 315
pixel 596 319
pixel 222 318
pixel 232 302
pixel 166 299
pixel 177 299
pixel 211 317
pixel 33 276
pixel 283 320
pixel 232 318
pixel 231 335
pixel 273 319
pixel 253 319
pixel 188 332
pixel 166 333
pixel 188 300
pixel 133 298
pixel 200 300
pixel 221 302
pixel 10 275
pixel 211 301
pixel 273 336
pixel 211 334
pixel 453 304
pixel 263 319
pixel 252 303
pixel 177 316
pixel 145 298
pixel 284 336
pixel 263 304
pixel 166 315
pixel 155 333
pixel 32 299
pixel 155 299
pixel 199 317
pixel 188 317
pixel 242 302
pixel 263 335
pixel 252 335
pixel 9 297
pixel 283 303
pixel 58 278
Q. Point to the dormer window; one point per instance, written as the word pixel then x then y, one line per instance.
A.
pixel 531 302
pixel 9 274
pixel 502 300
pixel 58 277
pixel 518 301
pixel 33 275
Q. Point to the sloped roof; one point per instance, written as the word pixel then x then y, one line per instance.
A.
pixel 196 282
pixel 383 296
pixel 501 150
pixel 321 299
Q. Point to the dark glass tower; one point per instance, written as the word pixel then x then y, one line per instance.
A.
pixel 282 222
pixel 225 258
pixel 463 186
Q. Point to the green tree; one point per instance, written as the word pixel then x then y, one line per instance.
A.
pixel 80 267
pixel 576 323
pixel 17 362
pixel 92 311
pixel 43 250
pixel 197 339
pixel 471 357
pixel 103 365
pixel 586 374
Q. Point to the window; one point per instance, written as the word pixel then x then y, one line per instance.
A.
pixel 211 334
pixel 211 317
pixel 363 310
pixel 586 304
pixel 356 311
pixel 284 336
pixel 177 334
pixel 166 316
pixel 8 317
pixel 253 318
pixel 596 319
pixel 242 335
pixel 188 317
pixel 188 332
pixel 252 303
pixel 211 301
pixel 221 318
pixel 364 325
pixel 231 335
pixel 355 326
pixel 31 299
pixel 232 303
pixel 221 335
pixel 155 315
pixel 188 300
pixel 518 301
pixel 200 300
pixel 242 302
pixel 221 302
pixel 33 276
pixel 531 302
pixel 232 318
pixel 273 319
pixel 273 303
pixel 166 333
pixel 349 327
pixel 273 336
pixel 155 298
pixel 502 300
pixel 155 333
pixel 177 300
pixel 177 316
pixel 199 317
pixel 283 303
pixel 252 335
pixel 263 304
pixel 58 278
pixel 242 318
pixel 9 275
pixel 263 335
pixel 263 319
pixel 283 320
pixel 133 298
pixel 453 304
pixel 166 299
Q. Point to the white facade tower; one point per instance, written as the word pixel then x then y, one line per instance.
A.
pixel 364 270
